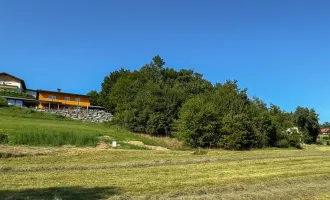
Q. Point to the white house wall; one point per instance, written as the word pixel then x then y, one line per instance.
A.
pixel 6 80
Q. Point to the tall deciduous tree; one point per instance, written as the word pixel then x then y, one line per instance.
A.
pixel 94 98
pixel 307 120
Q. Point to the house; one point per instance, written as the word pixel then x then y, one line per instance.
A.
pixel 11 82
pixel 15 91
pixel 61 100
pixel 325 131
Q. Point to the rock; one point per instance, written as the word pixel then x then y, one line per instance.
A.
pixel 83 115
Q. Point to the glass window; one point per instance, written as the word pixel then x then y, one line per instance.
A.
pixel 77 99
pixel 67 98
pixel 52 97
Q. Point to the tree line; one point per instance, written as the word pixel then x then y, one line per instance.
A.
pixel 162 101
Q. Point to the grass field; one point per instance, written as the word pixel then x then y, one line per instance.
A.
pixel 89 173
pixel 52 171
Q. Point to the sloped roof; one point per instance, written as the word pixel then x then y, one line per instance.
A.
pixel 22 81
pixel 62 93
pixel 325 130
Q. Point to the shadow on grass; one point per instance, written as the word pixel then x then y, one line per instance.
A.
pixel 60 193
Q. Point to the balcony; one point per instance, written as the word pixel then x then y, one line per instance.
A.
pixel 12 93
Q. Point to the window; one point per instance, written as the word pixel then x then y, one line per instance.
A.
pixel 77 99
pixel 52 97
pixel 67 98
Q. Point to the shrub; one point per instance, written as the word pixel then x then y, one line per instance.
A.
pixel 283 143
pixel 3 102
pixel 294 139
pixel 306 138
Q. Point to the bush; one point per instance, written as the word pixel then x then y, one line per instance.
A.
pixel 283 143
pixel 294 139
pixel 3 102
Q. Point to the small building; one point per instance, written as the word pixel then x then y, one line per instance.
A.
pixel 15 91
pixel 62 100
pixel 325 131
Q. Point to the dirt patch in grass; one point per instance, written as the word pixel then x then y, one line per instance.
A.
pixel 139 143
pixel 102 145
pixel 168 142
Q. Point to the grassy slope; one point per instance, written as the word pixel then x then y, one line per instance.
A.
pixel 78 173
pixel 21 122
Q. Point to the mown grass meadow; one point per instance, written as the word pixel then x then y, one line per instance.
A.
pixel 77 173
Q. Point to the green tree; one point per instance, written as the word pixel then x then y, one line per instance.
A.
pixel 160 101
pixel 325 125
pixel 307 120
pixel 108 83
pixel 94 98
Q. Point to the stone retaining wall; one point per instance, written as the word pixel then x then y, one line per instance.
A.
pixel 84 115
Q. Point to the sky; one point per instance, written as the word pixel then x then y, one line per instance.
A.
pixel 279 50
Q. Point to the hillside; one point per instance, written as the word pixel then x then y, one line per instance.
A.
pixel 27 127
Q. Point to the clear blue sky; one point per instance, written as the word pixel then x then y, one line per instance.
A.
pixel 279 50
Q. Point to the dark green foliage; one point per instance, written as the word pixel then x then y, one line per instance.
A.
pixel 294 139
pixel 149 100
pixel 325 125
pixel 3 102
pixel 11 93
pixel 222 118
pixel 94 98
pixel 307 120
pixel 227 118
pixel 160 101
pixel 108 83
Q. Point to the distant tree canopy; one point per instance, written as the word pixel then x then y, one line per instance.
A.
pixel 325 125
pixel 166 102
